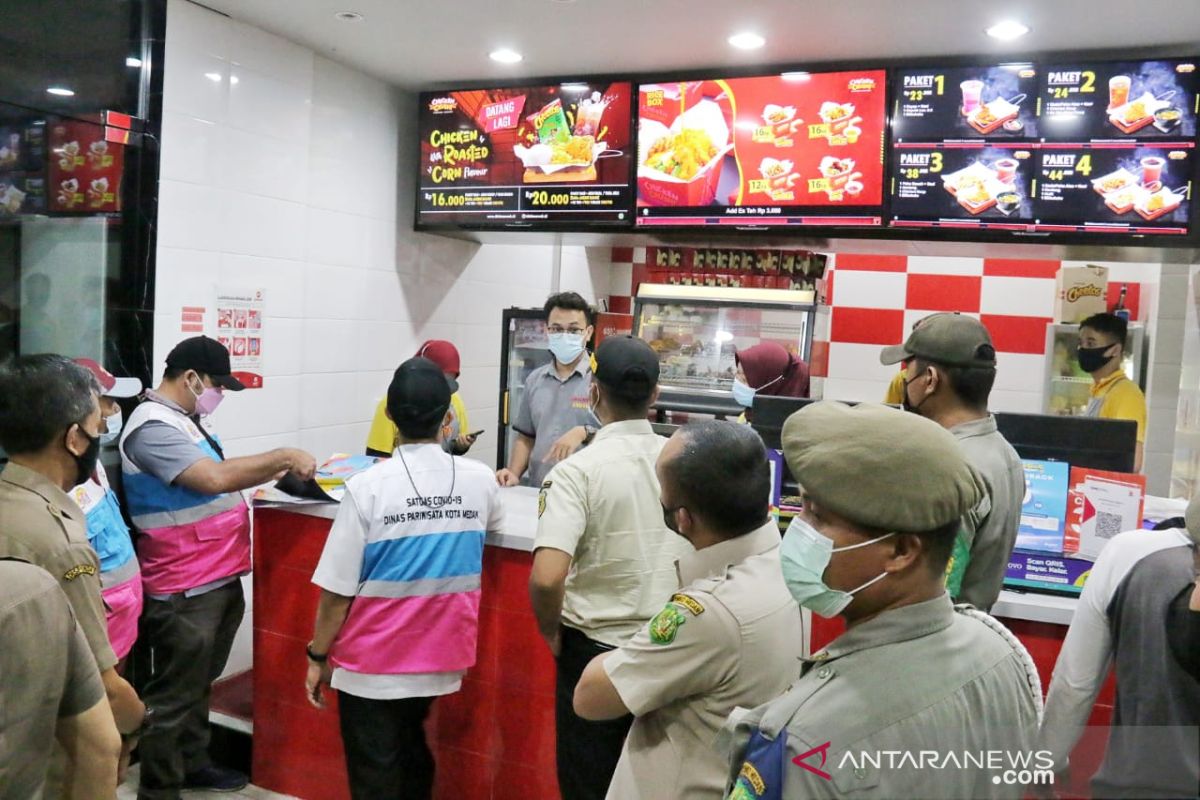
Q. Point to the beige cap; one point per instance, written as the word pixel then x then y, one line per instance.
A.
pixel 955 340
pixel 880 467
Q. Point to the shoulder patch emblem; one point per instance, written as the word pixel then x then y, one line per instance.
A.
pixel 75 572
pixel 546 484
pixel 688 602
pixel 666 624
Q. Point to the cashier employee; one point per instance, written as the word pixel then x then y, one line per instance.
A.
pixel 1114 396
pixel 555 418
pixel 456 439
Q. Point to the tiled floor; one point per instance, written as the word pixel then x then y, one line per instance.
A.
pixel 129 792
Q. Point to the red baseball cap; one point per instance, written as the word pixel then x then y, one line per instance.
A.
pixel 111 385
pixel 445 355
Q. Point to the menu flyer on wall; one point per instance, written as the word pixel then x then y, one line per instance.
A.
pixel 240 329
pixel 797 148
pixel 996 103
pixel 521 156
pixel 948 186
pixel 85 170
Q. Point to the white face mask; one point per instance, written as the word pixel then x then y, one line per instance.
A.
pixel 805 554
pixel 114 423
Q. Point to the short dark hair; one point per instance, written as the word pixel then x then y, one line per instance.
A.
pixel 1110 324
pixel 175 373
pixel 414 430
pixel 623 405
pixel 568 301
pixel 41 396
pixel 722 476
pixel 972 385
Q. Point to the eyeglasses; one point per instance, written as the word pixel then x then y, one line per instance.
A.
pixel 561 329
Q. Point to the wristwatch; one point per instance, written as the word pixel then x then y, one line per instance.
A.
pixel 319 658
pixel 589 433
pixel 148 718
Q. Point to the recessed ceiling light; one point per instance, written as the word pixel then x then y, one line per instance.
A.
pixel 349 16
pixel 795 76
pixel 215 77
pixel 505 56
pixel 60 91
pixel 574 87
pixel 1007 30
pixel 747 41
pixel 133 62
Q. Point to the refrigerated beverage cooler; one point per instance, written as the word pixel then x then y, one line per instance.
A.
pixel 524 348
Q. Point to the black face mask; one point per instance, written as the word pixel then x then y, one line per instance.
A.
pixel 1092 359
pixel 85 464
pixel 907 404
pixel 669 518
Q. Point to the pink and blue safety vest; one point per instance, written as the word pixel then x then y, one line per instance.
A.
pixel 189 539
pixel 120 577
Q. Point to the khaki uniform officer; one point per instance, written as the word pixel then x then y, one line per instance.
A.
pixel 730 637
pixel 903 703
pixel 603 561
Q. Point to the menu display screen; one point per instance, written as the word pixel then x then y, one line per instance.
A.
pixel 557 154
pixel 967 103
pixel 790 150
pixel 977 187
pixel 1118 147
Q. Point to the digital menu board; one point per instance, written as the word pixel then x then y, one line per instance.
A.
pixel 963 146
pixel 794 149
pixel 1118 147
pixel 556 155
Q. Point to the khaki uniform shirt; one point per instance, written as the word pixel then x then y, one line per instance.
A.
pixel 923 677
pixel 48 674
pixel 601 506
pixel 41 524
pixel 730 637
pixel 989 531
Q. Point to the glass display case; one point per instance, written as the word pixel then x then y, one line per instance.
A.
pixel 524 348
pixel 1068 388
pixel 696 329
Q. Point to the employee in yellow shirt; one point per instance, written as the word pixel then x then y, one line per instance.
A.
pixel 895 390
pixel 456 438
pixel 1114 395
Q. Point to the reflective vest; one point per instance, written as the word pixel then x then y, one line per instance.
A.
pixel 120 578
pixel 189 539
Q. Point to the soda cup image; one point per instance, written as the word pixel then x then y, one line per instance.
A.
pixel 1118 90
pixel 971 92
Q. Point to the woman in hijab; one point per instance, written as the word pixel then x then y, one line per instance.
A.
pixel 770 370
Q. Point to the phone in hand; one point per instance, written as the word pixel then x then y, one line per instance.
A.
pixel 477 434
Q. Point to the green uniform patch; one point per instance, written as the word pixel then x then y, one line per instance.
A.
pixel 666 624
pixel 956 568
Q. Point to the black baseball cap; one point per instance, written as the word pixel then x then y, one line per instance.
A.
pixel 419 392
pixel 628 367
pixel 208 357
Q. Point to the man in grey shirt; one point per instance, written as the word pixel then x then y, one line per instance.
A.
pixel 555 418
pixel 950 366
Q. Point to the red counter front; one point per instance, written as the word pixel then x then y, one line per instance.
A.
pixel 495 738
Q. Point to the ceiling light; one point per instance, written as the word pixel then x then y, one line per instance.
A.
pixel 1007 30
pixel 349 16
pixel 796 76
pixel 133 62
pixel 233 79
pixel 215 77
pixel 60 91
pixel 574 87
pixel 505 56
pixel 747 41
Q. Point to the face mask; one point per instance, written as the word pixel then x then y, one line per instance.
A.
pixel 1092 359
pixel 805 554
pixel 743 395
pixel 207 399
pixel 909 405
pixel 669 519
pixel 85 464
pixel 114 423
pixel 566 347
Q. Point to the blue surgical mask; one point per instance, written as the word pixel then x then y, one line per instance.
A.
pixel 566 347
pixel 805 554
pixel 114 423
pixel 743 395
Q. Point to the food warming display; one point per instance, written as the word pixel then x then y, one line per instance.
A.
pixel 547 154
pixel 792 149
pixel 697 329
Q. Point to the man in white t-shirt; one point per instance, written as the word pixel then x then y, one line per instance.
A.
pixel 397 622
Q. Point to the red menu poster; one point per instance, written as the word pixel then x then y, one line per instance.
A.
pixel 85 170
pixel 792 149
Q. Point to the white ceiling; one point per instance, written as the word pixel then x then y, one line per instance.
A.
pixel 416 43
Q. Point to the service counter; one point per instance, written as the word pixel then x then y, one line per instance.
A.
pixel 495 738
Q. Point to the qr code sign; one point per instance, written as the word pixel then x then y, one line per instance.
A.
pixel 1107 525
